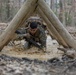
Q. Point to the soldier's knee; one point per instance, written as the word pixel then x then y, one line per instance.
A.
pixel 26 45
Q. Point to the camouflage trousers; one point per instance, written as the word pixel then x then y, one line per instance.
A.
pixel 27 45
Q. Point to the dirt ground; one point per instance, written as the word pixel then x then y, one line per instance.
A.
pixel 34 53
pixel 14 60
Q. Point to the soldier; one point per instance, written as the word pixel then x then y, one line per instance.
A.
pixel 36 33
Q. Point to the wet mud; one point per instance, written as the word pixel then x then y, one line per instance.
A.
pixel 15 60
pixel 34 53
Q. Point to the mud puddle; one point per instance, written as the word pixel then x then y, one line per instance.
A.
pixel 34 53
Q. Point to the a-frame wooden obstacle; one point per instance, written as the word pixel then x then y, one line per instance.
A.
pixel 56 29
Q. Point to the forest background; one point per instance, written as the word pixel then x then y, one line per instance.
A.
pixel 65 10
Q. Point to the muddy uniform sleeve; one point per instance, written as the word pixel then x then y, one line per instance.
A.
pixel 43 39
pixel 24 33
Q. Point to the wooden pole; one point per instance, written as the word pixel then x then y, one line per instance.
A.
pixel 51 28
pixel 57 24
pixel 28 6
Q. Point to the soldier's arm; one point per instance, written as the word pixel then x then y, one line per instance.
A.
pixel 23 33
pixel 43 39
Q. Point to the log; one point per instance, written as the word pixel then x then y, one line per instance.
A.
pixel 19 18
pixel 51 28
pixel 69 52
pixel 57 24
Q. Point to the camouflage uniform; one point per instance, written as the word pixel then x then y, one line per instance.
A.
pixel 39 36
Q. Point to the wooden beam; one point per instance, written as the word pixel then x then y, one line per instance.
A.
pixel 51 28
pixel 22 15
pixel 57 24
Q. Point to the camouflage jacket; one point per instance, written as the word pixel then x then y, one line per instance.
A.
pixel 39 36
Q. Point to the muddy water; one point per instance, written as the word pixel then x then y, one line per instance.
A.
pixel 34 53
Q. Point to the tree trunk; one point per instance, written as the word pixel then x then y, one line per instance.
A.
pixel 51 29
pixel 73 13
pixel 0 10
pixel 52 5
pixel 56 8
pixel 8 8
pixel 57 24
pixel 20 17
pixel 62 12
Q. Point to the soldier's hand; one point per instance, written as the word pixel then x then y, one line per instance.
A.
pixel 44 48
pixel 27 35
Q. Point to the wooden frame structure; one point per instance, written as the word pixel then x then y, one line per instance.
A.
pixel 55 27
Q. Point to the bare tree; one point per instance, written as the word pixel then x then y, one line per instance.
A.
pixel 52 4
pixel 8 8
pixel 0 10
pixel 62 11
pixel 73 13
